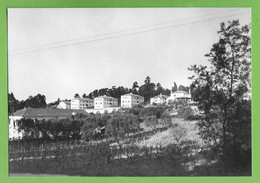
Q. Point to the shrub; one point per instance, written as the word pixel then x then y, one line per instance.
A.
pixel 185 112
pixel 150 111
pixel 120 125
pixel 151 122
pixel 89 129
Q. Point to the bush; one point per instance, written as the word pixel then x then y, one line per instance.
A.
pixel 120 125
pixel 185 112
pixel 92 126
pixel 150 111
pixel 194 117
pixel 151 122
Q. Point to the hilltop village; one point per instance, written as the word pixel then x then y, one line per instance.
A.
pixel 98 105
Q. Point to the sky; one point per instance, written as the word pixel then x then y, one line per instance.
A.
pixel 58 52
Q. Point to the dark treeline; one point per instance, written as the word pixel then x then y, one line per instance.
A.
pixel 37 101
pixel 147 90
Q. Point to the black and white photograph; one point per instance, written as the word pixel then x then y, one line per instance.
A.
pixel 129 92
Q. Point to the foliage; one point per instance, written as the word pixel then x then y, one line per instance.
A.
pixel 120 125
pixel 13 104
pixel 166 119
pixel 177 103
pixel 185 112
pixel 151 122
pixel 175 87
pixel 178 133
pixel 76 95
pixel 51 128
pixel 150 111
pixel 91 125
pixel 220 91
pixel 37 101
pixel 147 90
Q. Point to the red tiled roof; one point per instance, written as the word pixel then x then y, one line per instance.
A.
pixel 66 101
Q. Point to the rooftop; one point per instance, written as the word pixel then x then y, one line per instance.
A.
pixel 105 96
pixel 66 101
pixel 180 91
pixel 131 94
pixel 82 99
pixel 160 96
pixel 46 112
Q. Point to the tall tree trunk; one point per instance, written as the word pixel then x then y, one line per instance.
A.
pixel 224 149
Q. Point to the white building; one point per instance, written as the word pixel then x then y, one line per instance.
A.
pixel 82 103
pixel 102 102
pixel 64 104
pixel 13 124
pixel 179 95
pixel 159 99
pixel 129 100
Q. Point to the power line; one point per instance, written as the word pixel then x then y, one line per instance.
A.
pixel 124 35
pixel 164 23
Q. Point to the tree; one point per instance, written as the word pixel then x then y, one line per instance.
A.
pixel 159 88
pixel 166 119
pixel 147 80
pixel 184 88
pixel 135 85
pixel 121 125
pixel 84 95
pixel 174 88
pixel 219 91
pixel 76 95
pixel 152 111
pixel 147 90
pixel 37 101
pixel 151 122
pixel 135 88
pixel 166 92
pixel 88 128
pixel 103 91
pixel 13 103
pixel 26 126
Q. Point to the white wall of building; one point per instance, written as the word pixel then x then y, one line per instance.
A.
pixel 105 102
pixel 82 103
pixel 130 100
pixel 159 99
pixel 63 105
pixel 179 95
pixel 13 127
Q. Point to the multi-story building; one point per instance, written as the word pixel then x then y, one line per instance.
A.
pixel 159 99
pixel 129 100
pixel 179 95
pixel 104 101
pixel 82 103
